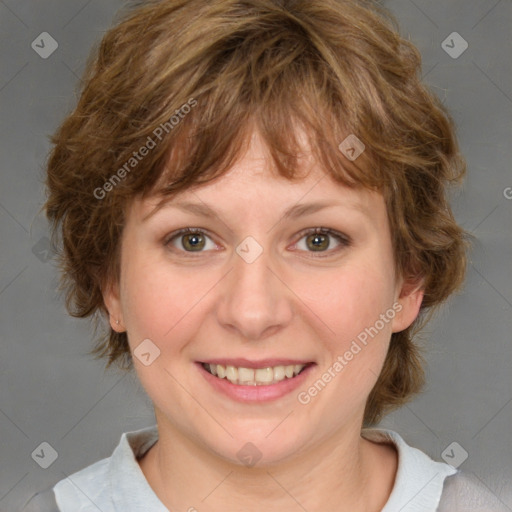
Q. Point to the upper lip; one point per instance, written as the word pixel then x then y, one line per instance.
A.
pixel 262 363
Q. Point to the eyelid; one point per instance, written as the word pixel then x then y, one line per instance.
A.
pixel 343 239
pixel 325 231
pixel 185 231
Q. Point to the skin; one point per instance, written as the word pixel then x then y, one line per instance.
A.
pixel 291 302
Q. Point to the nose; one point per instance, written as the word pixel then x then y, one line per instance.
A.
pixel 255 301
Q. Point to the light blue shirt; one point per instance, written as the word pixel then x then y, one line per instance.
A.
pixel 117 483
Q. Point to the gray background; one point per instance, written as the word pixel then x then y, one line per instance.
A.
pixel 51 391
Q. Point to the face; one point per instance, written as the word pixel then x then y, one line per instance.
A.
pixel 288 288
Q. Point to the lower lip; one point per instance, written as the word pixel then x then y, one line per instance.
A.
pixel 255 394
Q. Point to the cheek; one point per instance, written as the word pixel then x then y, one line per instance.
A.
pixel 355 344
pixel 352 299
pixel 148 302
pixel 158 303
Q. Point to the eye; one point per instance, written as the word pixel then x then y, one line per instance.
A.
pixel 190 240
pixel 319 240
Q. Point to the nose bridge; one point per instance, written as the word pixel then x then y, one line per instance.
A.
pixel 254 300
pixel 252 269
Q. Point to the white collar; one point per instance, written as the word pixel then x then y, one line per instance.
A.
pixel 419 480
pixel 118 483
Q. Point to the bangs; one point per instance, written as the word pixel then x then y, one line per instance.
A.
pixel 276 82
pixel 294 134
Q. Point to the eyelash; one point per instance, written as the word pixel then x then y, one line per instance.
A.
pixel 344 240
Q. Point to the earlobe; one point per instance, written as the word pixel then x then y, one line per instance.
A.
pixel 410 299
pixel 116 325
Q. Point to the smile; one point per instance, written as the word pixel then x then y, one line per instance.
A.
pixel 249 381
pixel 254 376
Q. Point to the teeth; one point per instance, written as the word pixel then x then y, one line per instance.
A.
pixel 232 374
pixel 264 375
pixel 279 373
pixel 245 375
pixel 254 377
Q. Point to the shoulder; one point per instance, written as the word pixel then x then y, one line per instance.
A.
pixel 112 483
pixel 465 493
pixel 422 483
pixel 82 489
pixel 43 501
pixel 86 489
pixel 419 479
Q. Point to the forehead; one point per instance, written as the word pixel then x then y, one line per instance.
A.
pixel 240 199
pixel 252 186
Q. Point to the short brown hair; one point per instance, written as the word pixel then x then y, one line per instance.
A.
pixel 330 67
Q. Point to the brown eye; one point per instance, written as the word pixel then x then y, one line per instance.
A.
pixel 319 240
pixel 190 240
pixel 193 242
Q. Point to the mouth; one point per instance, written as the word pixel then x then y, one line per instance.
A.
pixel 258 376
pixel 255 381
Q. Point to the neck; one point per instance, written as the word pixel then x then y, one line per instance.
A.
pixel 344 473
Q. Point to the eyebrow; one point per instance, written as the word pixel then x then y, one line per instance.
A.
pixel 298 210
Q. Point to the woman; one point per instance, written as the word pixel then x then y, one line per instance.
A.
pixel 254 193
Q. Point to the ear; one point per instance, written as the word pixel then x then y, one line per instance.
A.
pixel 410 297
pixel 111 298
